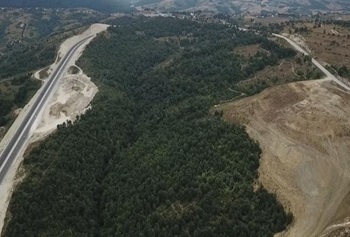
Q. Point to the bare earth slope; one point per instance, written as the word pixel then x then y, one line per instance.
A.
pixel 304 132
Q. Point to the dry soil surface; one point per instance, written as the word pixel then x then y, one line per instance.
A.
pixel 72 97
pixel 299 40
pixel 303 130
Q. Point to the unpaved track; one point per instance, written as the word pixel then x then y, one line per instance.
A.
pixel 303 130
pixel 6 187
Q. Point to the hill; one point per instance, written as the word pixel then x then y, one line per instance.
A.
pixel 99 5
pixel 251 6
pixel 304 162
pixel 149 159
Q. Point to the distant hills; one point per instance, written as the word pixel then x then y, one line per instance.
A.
pixel 223 6
pixel 252 6
pixel 99 5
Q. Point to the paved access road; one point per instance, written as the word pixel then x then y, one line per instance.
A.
pixel 314 61
pixel 20 137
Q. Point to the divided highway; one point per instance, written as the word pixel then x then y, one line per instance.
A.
pixel 20 137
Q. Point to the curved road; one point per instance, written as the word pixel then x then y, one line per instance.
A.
pixel 16 143
pixel 316 63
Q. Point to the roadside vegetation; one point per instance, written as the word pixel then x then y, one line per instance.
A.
pixel 15 93
pixel 149 159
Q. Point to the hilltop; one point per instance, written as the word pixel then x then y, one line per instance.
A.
pixel 219 6
pixel 99 5
pixel 251 6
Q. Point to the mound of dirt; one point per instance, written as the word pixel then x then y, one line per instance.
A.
pixel 303 130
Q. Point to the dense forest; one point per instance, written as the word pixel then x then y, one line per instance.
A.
pixel 16 93
pixel 2 29
pixel 149 159
pixel 16 85
pixel 26 58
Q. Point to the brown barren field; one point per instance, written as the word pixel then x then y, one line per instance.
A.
pixel 329 43
pixel 303 129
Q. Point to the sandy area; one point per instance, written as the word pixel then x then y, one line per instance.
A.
pixel 72 96
pixel 303 130
pixel 71 99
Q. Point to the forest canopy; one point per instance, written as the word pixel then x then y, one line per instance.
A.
pixel 149 159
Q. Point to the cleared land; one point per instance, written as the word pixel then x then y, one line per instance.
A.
pixel 329 43
pixel 304 133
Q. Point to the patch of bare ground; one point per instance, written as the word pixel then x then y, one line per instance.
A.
pixel 288 70
pixel 329 43
pixel 248 50
pixel 265 21
pixel 166 63
pixel 44 73
pixel 74 70
pixel 303 129
pixel 71 99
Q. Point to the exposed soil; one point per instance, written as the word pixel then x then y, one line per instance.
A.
pixel 43 74
pixel 74 70
pixel 72 98
pixel 301 41
pixel 248 51
pixel 288 70
pixel 329 43
pixel 303 129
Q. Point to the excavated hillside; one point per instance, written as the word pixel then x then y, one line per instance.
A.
pixel 303 129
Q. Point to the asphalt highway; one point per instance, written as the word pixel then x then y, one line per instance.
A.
pixel 16 143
